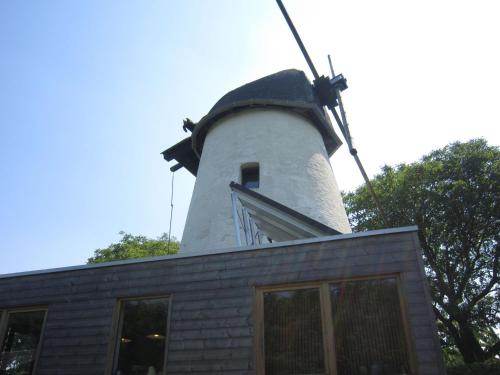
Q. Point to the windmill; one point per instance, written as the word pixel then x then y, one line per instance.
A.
pixel 329 91
pixel 270 142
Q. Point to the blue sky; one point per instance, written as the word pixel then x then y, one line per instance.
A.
pixel 92 91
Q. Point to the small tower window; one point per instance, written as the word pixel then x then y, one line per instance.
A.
pixel 250 175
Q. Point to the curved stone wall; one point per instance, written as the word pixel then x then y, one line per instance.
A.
pixel 294 171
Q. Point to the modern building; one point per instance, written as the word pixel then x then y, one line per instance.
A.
pixel 270 279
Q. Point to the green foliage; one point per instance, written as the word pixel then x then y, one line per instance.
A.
pixel 131 246
pixel 491 367
pixel 453 195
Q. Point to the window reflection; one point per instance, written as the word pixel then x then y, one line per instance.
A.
pixel 293 337
pixel 141 345
pixel 368 328
pixel 364 335
pixel 20 344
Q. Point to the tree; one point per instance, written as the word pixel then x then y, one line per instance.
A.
pixel 131 246
pixel 453 195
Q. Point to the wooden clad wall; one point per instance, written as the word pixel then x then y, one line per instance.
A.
pixel 211 326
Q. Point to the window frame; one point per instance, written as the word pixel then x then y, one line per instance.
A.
pixel 4 320
pixel 326 318
pixel 117 325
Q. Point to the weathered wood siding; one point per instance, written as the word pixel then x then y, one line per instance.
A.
pixel 211 327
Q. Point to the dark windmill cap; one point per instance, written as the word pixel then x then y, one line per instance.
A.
pixel 288 90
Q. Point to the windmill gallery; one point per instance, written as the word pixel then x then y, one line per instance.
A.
pixel 269 280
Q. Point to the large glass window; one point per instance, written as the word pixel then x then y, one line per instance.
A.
pixel 21 334
pixel 141 340
pixel 368 329
pixel 343 328
pixel 293 334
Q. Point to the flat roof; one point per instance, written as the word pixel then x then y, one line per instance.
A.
pixel 273 245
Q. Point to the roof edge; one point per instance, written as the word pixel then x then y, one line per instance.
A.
pixel 338 237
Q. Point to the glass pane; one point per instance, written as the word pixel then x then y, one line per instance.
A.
pixel 368 329
pixel 293 339
pixel 21 342
pixel 142 338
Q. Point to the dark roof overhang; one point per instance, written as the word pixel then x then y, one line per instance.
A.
pixel 184 154
pixel 288 90
pixel 310 111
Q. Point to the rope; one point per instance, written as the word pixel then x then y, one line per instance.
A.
pixel 171 212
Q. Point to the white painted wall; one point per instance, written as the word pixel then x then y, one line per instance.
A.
pixel 294 171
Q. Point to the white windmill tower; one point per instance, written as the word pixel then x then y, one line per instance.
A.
pixel 273 137
pixel 268 143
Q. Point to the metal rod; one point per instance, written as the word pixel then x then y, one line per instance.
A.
pixel 337 119
pixel 352 149
pixel 332 108
pixel 236 218
pixel 331 66
pixel 370 188
pixel 297 38
pixel 346 133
